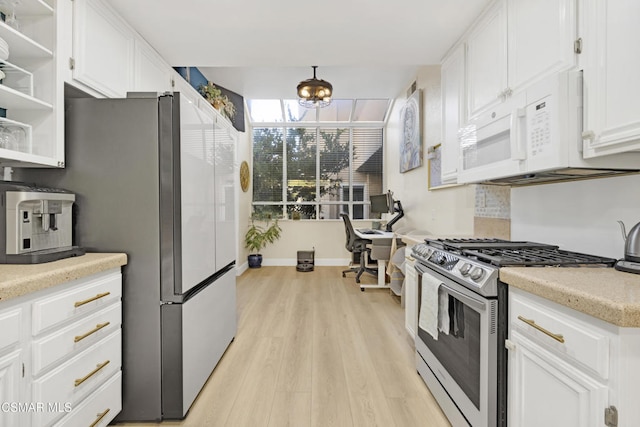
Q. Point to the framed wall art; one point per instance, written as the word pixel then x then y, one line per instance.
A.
pixel 411 128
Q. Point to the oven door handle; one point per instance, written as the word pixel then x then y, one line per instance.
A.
pixel 472 302
pixel 465 299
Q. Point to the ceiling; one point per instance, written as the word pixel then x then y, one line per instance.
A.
pixel 262 49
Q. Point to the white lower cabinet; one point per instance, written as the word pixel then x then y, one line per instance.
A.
pixel 411 295
pixel 11 365
pixel 10 388
pixel 99 408
pixel 68 384
pixel 567 368
pixel 546 391
pixel 61 354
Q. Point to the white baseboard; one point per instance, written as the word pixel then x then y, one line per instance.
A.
pixel 292 262
pixel 242 268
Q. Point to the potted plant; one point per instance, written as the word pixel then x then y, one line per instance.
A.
pixel 219 101
pixel 258 236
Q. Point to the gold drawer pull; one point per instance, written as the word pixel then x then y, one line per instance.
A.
pixel 87 301
pixel 93 331
pixel 92 373
pixel 557 337
pixel 100 417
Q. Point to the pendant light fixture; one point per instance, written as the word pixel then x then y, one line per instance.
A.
pixel 314 92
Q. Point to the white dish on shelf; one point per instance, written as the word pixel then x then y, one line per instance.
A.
pixel 15 136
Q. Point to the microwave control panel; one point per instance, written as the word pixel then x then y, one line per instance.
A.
pixel 539 127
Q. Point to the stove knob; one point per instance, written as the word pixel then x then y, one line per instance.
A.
pixel 464 270
pixel 476 274
pixel 441 259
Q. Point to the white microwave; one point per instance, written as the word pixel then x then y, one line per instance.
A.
pixel 534 136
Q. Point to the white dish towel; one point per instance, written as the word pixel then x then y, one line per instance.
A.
pixel 434 307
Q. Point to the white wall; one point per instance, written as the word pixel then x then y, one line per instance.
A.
pixel 579 215
pixel 243 153
pixel 444 211
pixel 327 237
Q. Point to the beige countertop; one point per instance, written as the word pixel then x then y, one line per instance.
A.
pixel 416 237
pixel 604 293
pixel 17 279
pixel 411 239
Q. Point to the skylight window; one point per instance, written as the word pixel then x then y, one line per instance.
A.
pixel 265 110
pixel 345 111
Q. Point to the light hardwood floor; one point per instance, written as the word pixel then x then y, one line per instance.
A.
pixel 313 350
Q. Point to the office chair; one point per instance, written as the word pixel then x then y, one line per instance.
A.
pixel 357 246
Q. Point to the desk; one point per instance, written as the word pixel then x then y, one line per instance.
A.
pixel 380 238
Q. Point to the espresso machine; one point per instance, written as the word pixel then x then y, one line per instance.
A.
pixel 35 224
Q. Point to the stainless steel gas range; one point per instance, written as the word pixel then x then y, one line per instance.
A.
pixel 462 325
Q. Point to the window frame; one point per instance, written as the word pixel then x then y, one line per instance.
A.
pixel 318 126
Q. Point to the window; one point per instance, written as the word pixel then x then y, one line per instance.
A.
pixel 315 172
pixel 317 163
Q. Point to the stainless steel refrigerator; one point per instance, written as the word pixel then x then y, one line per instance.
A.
pixel 154 178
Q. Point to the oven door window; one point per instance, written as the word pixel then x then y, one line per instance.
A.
pixel 459 351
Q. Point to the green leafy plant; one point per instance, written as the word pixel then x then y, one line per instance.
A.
pixel 219 101
pixel 258 236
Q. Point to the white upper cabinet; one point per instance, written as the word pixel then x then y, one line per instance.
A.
pixel 109 57
pixel 452 76
pixel 186 90
pixel 611 64
pixel 541 36
pixel 517 43
pixel 103 49
pixel 152 74
pixel 487 61
pixel 29 135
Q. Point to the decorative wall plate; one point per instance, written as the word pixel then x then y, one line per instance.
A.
pixel 244 176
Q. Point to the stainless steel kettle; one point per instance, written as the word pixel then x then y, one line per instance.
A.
pixel 632 245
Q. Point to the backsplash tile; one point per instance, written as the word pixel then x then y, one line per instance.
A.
pixel 493 202
pixel 492 228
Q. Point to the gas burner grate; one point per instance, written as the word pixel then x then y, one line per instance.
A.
pixel 453 244
pixel 540 256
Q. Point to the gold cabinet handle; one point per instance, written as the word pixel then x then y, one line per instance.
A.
pixel 557 337
pixel 93 331
pixel 92 373
pixel 100 417
pixel 87 301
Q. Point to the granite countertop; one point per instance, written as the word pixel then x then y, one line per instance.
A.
pixel 413 239
pixel 604 293
pixel 18 279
